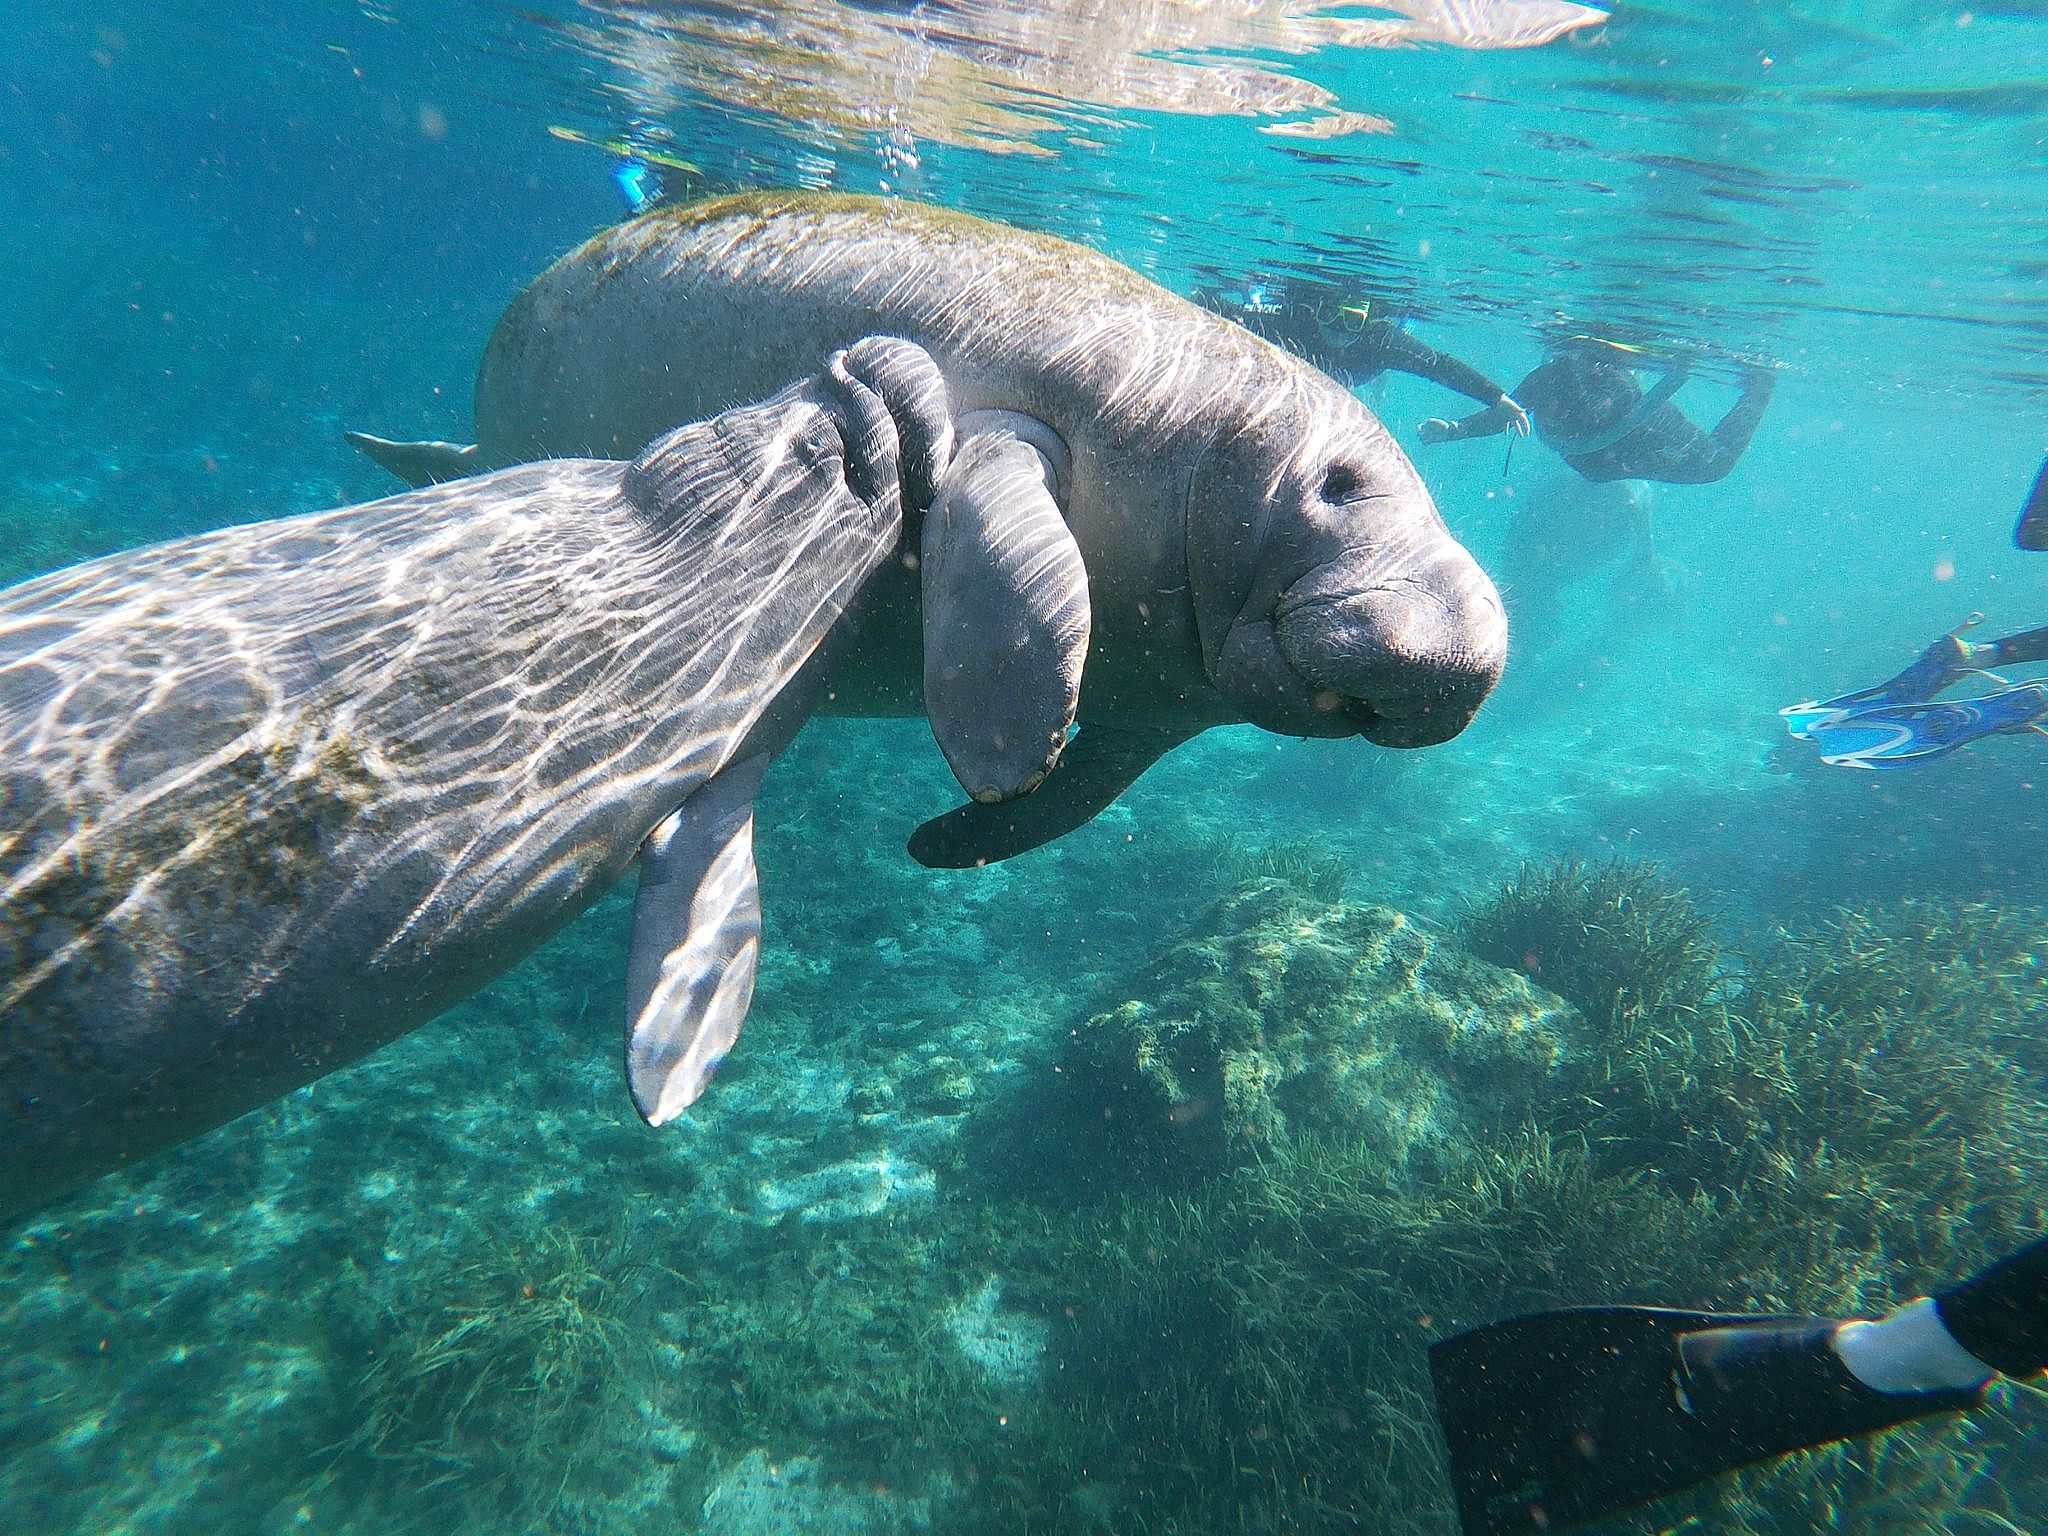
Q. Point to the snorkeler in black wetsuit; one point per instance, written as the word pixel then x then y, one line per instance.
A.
pixel 1337 331
pixel 1589 407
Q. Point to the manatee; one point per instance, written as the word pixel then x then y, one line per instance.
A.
pixel 273 795
pixel 1236 535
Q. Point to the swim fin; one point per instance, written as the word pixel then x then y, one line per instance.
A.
pixel 1562 1417
pixel 1900 735
pixel 2032 532
pixel 1932 670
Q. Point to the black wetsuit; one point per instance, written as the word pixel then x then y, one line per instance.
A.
pixel 2027 645
pixel 1591 409
pixel 2000 1314
pixel 2032 533
pixel 1381 345
pixel 1356 351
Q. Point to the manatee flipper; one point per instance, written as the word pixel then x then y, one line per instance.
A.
pixel 423 463
pixel 696 943
pixel 1005 609
pixel 852 480
pixel 1099 764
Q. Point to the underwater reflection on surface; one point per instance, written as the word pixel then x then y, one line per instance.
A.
pixel 998 74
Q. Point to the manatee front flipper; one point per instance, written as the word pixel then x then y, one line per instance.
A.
pixel 1005 608
pixel 696 943
pixel 422 463
pixel 1099 764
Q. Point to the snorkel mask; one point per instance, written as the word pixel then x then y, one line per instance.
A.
pixel 1340 325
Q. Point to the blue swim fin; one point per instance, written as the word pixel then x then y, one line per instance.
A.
pixel 1899 735
pixel 1933 670
pixel 1800 719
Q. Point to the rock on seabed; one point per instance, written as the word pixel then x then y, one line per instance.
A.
pixel 1278 1012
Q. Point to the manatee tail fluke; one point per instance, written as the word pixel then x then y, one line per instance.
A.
pixel 422 463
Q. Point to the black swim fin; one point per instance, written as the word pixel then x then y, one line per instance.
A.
pixel 1562 1417
pixel 2032 532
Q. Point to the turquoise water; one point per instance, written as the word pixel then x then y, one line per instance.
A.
pixel 460 1286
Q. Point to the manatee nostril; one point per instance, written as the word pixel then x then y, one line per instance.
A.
pixel 1341 483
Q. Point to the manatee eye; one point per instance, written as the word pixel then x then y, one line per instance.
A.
pixel 1341 482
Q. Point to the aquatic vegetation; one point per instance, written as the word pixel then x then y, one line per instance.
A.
pixel 1972 967
pixel 1621 940
pixel 835 1337
pixel 1309 866
pixel 1903 1084
pixel 1249 1356
pixel 502 1395
pixel 42 535
pixel 1244 1351
pixel 1407 1140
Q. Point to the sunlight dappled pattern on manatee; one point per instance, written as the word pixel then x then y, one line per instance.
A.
pixel 279 793
pixel 1345 837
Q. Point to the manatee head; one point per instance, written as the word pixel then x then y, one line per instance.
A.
pixel 1330 598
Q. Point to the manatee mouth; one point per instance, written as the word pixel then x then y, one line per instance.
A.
pixel 1421 725
pixel 1407 661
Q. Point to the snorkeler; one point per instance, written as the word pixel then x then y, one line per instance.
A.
pixel 1336 330
pixel 639 185
pixel 641 176
pixel 1590 409
pixel 1900 721
pixel 1562 1417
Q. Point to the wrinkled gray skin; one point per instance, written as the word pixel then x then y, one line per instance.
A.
pixel 1257 547
pixel 274 795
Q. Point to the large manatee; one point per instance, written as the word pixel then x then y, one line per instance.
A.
pixel 273 795
pixel 1242 539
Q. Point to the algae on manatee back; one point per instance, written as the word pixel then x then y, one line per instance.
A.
pixel 299 784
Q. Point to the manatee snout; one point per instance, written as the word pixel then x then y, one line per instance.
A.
pixel 1407 656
